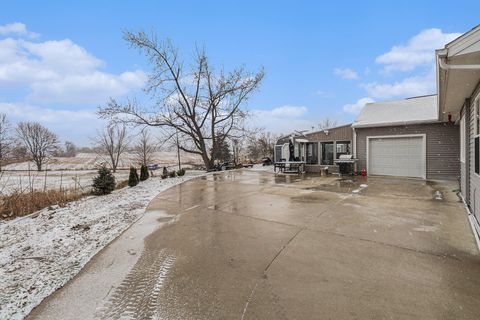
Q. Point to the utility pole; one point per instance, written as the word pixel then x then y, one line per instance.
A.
pixel 178 152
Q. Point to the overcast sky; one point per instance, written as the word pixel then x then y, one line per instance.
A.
pixel 60 61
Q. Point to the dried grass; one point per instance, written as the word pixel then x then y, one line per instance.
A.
pixel 121 184
pixel 20 203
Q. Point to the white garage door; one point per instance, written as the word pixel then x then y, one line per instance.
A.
pixel 397 156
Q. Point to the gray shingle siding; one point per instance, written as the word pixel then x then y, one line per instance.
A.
pixel 442 140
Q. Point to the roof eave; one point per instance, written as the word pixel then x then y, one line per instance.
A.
pixel 394 124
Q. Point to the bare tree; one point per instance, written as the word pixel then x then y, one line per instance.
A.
pixel 70 149
pixel 113 142
pixel 145 147
pixel 5 139
pixel 327 123
pixel 199 103
pixel 261 144
pixel 40 142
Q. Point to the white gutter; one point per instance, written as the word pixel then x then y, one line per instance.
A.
pixel 444 65
pixel 394 124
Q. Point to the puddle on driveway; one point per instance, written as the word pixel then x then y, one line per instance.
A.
pixel 341 185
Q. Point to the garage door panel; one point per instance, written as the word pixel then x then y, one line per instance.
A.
pixel 397 156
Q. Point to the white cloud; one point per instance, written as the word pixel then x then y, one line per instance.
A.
pixel 346 73
pixel 17 28
pixel 282 112
pixel 74 125
pixel 419 51
pixel 282 119
pixel 25 112
pixel 417 55
pixel 61 72
pixel 356 107
pixel 408 87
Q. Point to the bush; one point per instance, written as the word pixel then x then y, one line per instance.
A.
pixel 104 183
pixel 164 176
pixel 181 172
pixel 172 174
pixel 133 177
pixel 165 172
pixel 144 175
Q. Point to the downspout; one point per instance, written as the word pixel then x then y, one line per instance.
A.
pixel 354 148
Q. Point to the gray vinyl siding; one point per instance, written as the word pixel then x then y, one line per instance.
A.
pixel 443 147
pixel 474 192
pixel 343 133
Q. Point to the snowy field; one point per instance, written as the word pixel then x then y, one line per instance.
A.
pixel 77 172
pixel 40 254
pixel 91 161
pixel 23 180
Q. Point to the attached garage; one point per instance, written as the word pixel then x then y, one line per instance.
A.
pixel 404 138
pixel 400 156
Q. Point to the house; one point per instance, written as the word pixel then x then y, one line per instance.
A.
pixel 427 137
pixel 318 149
pixel 458 83
pixel 406 138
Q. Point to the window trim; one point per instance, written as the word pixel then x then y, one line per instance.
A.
pixel 320 148
pixel 321 152
pixel 343 141
pixel 476 116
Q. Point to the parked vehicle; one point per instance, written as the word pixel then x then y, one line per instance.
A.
pixel 266 161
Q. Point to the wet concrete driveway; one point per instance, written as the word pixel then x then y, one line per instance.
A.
pixel 252 245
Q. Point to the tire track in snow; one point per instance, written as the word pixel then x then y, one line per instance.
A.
pixel 137 296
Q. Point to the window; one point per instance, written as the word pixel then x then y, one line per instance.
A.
pixel 343 147
pixel 476 118
pixel 462 139
pixel 312 153
pixel 477 167
pixel 327 153
pixel 278 153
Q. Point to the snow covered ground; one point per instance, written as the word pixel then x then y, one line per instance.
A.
pixel 91 161
pixel 260 167
pixel 22 180
pixel 40 254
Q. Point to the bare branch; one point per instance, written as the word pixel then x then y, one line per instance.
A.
pixel 203 106
pixel 39 141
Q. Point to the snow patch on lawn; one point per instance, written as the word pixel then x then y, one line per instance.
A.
pixel 40 254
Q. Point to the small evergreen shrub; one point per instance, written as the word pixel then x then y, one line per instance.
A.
pixel 165 171
pixel 144 175
pixel 104 182
pixel 133 177
pixel 181 172
pixel 164 176
pixel 172 174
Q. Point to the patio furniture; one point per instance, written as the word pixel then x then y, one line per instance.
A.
pixel 290 166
